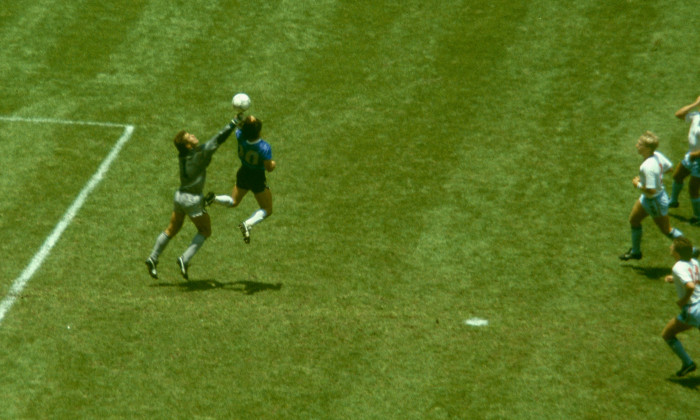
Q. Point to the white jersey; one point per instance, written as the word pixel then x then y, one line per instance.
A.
pixel 694 133
pixel 651 173
pixel 685 272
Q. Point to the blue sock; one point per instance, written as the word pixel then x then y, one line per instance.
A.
pixel 677 348
pixel 696 206
pixel 637 239
pixel 676 189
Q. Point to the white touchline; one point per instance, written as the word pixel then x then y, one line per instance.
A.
pixel 21 281
pixel 58 121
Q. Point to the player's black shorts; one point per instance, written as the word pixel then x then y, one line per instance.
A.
pixel 251 179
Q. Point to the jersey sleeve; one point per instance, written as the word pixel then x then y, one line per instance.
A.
pixel 266 151
pixel 682 273
pixel 665 162
pixel 220 137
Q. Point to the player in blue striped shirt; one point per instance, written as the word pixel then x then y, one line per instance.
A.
pixel 256 159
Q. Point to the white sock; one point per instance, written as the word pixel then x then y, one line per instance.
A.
pixel 224 200
pixel 256 218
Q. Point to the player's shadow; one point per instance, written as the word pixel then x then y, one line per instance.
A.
pixel 241 286
pixel 652 273
pixel 680 218
pixel 692 382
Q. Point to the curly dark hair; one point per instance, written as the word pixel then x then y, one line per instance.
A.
pixel 250 130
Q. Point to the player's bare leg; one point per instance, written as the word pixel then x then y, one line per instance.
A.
pixel 637 215
pixel 264 200
pixel 669 333
pixel 679 175
pixel 694 190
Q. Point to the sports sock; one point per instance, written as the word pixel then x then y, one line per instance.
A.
pixel 224 200
pixel 197 243
pixel 696 206
pixel 256 218
pixel 637 239
pixel 161 243
pixel 676 189
pixel 674 233
pixel 677 348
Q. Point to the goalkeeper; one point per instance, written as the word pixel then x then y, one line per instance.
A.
pixel 194 158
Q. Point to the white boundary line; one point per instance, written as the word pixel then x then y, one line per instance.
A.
pixel 58 121
pixel 38 259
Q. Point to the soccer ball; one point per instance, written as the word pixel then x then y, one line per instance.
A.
pixel 240 102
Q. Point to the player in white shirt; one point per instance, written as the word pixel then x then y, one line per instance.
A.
pixel 690 165
pixel 686 278
pixel 654 200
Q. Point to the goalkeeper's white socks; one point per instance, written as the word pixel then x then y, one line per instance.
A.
pixel 224 200
pixel 197 243
pixel 161 242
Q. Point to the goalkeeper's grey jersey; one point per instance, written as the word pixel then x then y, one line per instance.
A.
pixel 193 163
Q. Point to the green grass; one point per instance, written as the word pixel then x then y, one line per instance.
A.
pixel 437 162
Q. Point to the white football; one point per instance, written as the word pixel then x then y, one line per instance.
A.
pixel 240 102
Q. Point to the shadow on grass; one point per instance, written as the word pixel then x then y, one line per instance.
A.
pixel 245 287
pixel 680 218
pixel 690 383
pixel 652 273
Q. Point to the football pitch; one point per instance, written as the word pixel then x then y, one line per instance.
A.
pixel 452 193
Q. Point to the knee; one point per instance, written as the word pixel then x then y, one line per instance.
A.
pixel 205 232
pixel 268 211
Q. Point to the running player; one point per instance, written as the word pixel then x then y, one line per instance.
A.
pixel 194 159
pixel 686 277
pixel 653 200
pixel 256 158
pixel 689 165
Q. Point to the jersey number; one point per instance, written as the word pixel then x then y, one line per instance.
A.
pixel 251 157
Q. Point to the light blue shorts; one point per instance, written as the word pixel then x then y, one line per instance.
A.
pixel 190 204
pixel 692 165
pixel 691 315
pixel 657 206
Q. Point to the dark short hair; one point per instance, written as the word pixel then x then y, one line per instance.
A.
pixel 250 130
pixel 179 141
pixel 683 247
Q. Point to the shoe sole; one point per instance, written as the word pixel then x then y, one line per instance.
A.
pixel 151 269
pixel 687 370
pixel 183 269
pixel 246 233
pixel 209 199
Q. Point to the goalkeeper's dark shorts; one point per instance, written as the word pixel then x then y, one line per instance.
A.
pixel 251 179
